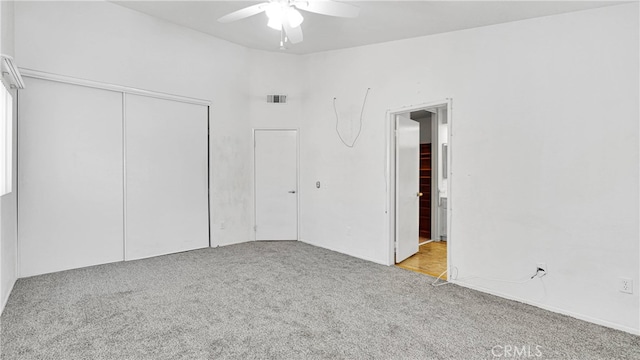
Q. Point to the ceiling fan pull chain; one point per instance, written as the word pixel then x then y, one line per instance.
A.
pixel 283 39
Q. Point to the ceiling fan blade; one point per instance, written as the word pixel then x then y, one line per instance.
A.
pixel 243 13
pixel 293 34
pixel 327 7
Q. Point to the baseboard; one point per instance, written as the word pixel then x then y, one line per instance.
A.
pixel 231 243
pixel 345 253
pixel 550 308
pixel 164 254
pixel 6 298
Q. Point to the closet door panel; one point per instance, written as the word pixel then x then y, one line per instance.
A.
pixel 166 177
pixel 70 177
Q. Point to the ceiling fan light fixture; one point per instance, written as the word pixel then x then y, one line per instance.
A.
pixel 275 14
pixel 285 16
pixel 275 24
pixel 278 13
pixel 294 17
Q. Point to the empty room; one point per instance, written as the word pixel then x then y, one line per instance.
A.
pixel 288 179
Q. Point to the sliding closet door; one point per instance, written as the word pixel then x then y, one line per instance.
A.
pixel 70 178
pixel 166 177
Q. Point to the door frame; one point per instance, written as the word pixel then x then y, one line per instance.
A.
pixel 390 171
pixel 253 179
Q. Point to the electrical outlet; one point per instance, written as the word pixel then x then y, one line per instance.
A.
pixel 541 269
pixel 625 285
pixel 348 230
pixel 222 225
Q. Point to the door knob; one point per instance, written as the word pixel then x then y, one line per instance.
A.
pixel 420 194
pixel 292 192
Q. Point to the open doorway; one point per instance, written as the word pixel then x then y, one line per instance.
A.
pixel 419 190
pixel 424 120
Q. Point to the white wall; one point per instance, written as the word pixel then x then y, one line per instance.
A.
pixel 8 205
pixel 425 131
pixel 545 154
pixel 105 42
pixel 274 73
pixel 7 28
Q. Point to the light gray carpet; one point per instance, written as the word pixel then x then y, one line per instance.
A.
pixel 279 300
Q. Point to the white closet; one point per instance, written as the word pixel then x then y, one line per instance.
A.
pixel 166 172
pixel 105 176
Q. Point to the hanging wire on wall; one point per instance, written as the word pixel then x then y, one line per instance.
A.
pixel 335 110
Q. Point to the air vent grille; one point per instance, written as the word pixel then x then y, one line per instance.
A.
pixel 277 99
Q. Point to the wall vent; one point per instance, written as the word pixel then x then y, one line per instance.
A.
pixel 277 99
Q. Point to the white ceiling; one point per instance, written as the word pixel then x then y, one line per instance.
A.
pixel 379 21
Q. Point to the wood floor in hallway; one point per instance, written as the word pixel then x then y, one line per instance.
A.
pixel 431 259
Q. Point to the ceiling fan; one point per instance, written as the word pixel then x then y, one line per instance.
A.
pixel 284 15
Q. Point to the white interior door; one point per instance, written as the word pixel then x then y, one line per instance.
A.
pixel 166 177
pixel 70 206
pixel 276 184
pixel 407 187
